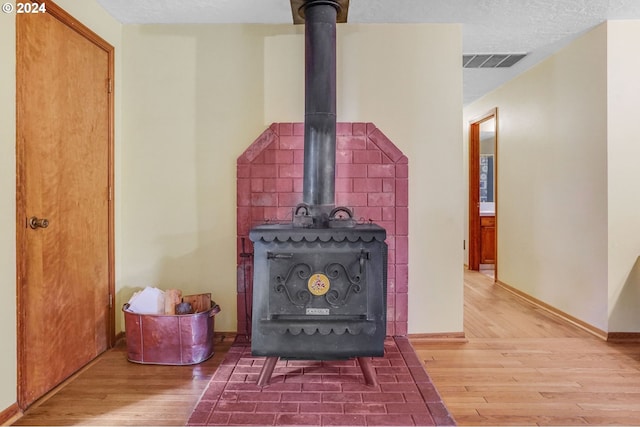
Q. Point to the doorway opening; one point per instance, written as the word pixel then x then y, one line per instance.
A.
pixel 483 193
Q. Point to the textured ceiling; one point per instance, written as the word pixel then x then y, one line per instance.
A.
pixel 535 27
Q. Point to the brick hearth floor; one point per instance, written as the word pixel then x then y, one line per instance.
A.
pixel 322 393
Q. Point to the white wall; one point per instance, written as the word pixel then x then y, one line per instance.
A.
pixel 197 96
pixel 193 101
pixel 92 15
pixel 552 178
pixel 623 189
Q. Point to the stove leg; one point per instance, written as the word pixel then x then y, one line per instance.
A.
pixel 368 371
pixel 266 371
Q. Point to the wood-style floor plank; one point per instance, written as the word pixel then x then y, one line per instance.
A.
pixel 524 366
pixel 113 391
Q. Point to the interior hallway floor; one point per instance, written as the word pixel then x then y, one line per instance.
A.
pixel 522 365
pixel 519 366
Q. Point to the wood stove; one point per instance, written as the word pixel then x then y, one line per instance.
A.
pixel 319 287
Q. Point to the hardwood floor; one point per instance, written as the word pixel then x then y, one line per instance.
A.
pixel 113 391
pixel 520 366
pixel 523 366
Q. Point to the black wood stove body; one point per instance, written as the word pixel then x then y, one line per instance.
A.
pixel 320 282
pixel 320 293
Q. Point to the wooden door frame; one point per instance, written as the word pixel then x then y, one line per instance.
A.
pixel 65 18
pixel 474 185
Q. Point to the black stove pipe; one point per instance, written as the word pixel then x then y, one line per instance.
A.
pixel 320 108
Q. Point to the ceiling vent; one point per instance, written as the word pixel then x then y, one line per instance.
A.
pixel 498 60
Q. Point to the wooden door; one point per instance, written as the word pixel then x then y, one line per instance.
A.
pixel 64 167
pixel 476 237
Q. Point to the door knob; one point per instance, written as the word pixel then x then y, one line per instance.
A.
pixel 35 222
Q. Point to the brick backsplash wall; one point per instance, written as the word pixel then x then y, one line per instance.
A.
pixel 371 180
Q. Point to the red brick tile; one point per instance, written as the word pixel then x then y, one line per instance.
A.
pixel 269 156
pixel 323 408
pixel 399 388
pixel 440 414
pixel 298 156
pixel 343 378
pixel 291 143
pixel 264 171
pixel 243 171
pixel 402 170
pixel 315 397
pixel 386 378
pixel 388 213
pixel 385 145
pixel 365 408
pixel 291 171
pixel 380 171
pixel 292 387
pixel 341 397
pixel 244 192
pixel 367 156
pixel 259 396
pixel 218 419
pixel 380 199
pixel 284 156
pixel 351 199
pixel 264 199
pixel 389 420
pixel 346 143
pixel 402 192
pixel 367 213
pixel 238 378
pixel 261 143
pixel 231 386
pixel 229 396
pixel 402 307
pixel 429 393
pixel 289 199
pixel 343 420
pixel 383 398
pixel 388 185
pixel 344 128
pixel 407 408
pixel 199 417
pixel 402 250
pixel 367 185
pixel 359 129
pixel 402 278
pixel 245 407
pixel 252 419
pixel 335 387
pixel 276 408
pixel 351 171
pixel 297 185
pixel 222 373
pixel 344 185
pixel 285 129
pixel 360 387
pixel 343 157
pixel 413 397
pixel 297 420
pixel 426 420
pixel 402 221
pixel 298 129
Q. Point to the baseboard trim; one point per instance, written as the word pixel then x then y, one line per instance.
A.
pixel 558 313
pixel 447 337
pixel 10 415
pixel 621 337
